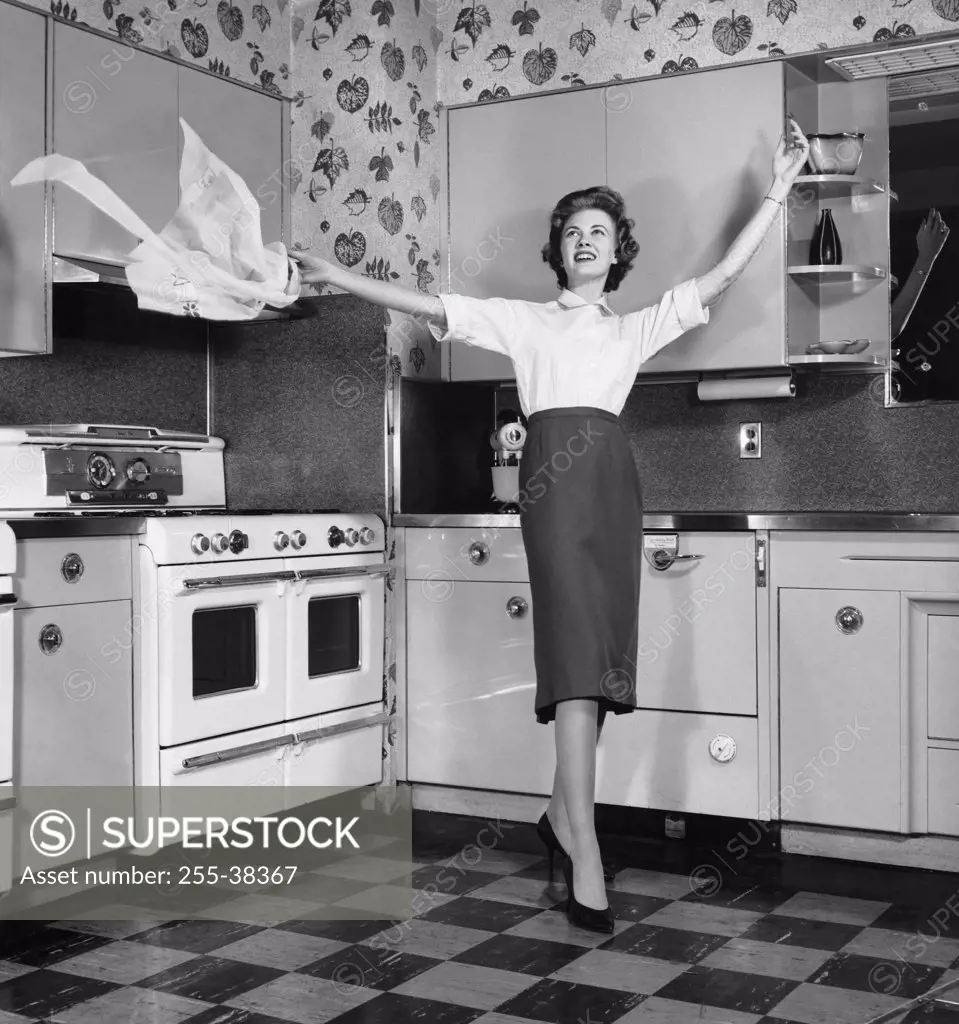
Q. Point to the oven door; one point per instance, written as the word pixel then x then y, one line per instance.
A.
pixel 335 642
pixel 221 648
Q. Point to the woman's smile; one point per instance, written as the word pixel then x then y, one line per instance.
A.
pixel 588 245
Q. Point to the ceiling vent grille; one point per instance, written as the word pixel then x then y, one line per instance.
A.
pixel 898 60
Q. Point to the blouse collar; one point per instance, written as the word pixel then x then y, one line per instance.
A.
pixel 570 300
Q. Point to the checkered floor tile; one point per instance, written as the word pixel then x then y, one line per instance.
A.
pixel 489 942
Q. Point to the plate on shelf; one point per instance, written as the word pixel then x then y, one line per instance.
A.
pixel 831 348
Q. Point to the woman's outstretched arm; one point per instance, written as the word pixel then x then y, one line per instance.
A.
pixel 316 270
pixel 789 158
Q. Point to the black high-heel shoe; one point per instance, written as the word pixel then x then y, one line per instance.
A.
pixel 585 917
pixel 544 828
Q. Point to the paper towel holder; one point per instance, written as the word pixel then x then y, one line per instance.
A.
pixel 747 387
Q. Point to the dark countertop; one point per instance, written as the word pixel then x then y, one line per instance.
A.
pixel 860 522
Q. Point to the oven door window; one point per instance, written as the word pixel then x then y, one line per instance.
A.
pixel 334 635
pixel 224 651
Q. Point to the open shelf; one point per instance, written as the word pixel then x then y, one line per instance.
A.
pixel 840 273
pixel 838 359
pixel 838 186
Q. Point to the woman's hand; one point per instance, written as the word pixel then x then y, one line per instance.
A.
pixel 931 238
pixel 313 269
pixel 791 154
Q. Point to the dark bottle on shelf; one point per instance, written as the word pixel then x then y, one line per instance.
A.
pixel 825 250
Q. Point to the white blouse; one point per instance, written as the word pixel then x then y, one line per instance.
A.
pixel 571 352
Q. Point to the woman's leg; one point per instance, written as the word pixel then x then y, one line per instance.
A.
pixel 556 811
pixel 576 735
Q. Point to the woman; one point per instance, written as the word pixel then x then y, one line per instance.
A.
pixel 581 507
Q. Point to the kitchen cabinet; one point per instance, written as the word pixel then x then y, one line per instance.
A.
pixel 245 129
pixel 692 157
pixel 534 151
pixel 841 723
pixel 25 259
pixel 116 111
pixel 73 698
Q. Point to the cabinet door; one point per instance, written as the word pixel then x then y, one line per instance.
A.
pixel 692 156
pixel 470 690
pixel 839 703
pixel 24 249
pixel 116 112
pixel 73 699
pixel 245 130
pixel 508 165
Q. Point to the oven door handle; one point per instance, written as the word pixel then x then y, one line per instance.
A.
pixel 251 579
pixel 249 749
pixel 373 572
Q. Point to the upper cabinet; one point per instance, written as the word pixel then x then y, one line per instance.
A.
pixel 692 155
pixel 115 110
pixel 24 237
pixel 509 163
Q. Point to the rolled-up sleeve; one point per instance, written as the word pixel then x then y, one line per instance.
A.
pixel 654 327
pixel 486 323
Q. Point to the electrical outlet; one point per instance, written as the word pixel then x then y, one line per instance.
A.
pixel 750 440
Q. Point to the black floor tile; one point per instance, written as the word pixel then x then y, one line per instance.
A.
pixel 932 1014
pixel 797 931
pixel 870 974
pixel 394 1009
pixel 629 906
pixel 372 968
pixel 36 944
pixel 451 880
pixel 41 994
pixel 484 915
pixel 674 944
pixel 340 931
pixel 730 990
pixel 210 979
pixel 524 956
pixel 229 1015
pixel 196 936
pixel 558 1002
pixel 930 921
pixel 743 894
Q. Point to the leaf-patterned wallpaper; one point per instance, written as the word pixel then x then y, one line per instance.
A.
pixel 244 40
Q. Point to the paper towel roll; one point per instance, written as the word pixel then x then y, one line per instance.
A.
pixel 746 387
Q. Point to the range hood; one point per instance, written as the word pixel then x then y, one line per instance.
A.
pixel 69 269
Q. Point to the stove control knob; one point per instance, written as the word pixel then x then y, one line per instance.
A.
pixel 335 537
pixel 100 470
pixel 366 535
pixel 351 537
pixel 298 539
pixel 219 543
pixel 200 544
pixel 137 471
pixel 280 541
pixel 238 542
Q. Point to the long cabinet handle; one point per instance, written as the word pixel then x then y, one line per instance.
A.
pixel 218 582
pixel 372 571
pixel 289 740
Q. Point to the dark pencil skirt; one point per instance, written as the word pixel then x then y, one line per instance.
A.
pixel 582 520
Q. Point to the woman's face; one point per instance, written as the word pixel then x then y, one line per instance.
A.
pixel 588 245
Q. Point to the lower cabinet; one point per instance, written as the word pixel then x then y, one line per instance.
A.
pixel 840 706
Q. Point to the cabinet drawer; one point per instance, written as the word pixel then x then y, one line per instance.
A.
pixel 942 647
pixel 441 557
pixel 662 760
pixel 943 802
pixel 99 568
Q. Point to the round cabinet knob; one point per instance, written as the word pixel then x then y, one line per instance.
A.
pixel 71 568
pixel 335 537
pixel 366 535
pixel 220 542
pixel 100 470
pixel 351 537
pixel 662 559
pixel 516 607
pixel 50 639
pixel 298 539
pixel 200 544
pixel 478 553
pixel 137 471
pixel 281 541
pixel 849 619
pixel 238 541
pixel 722 748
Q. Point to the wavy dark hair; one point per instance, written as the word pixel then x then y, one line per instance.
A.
pixel 599 197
